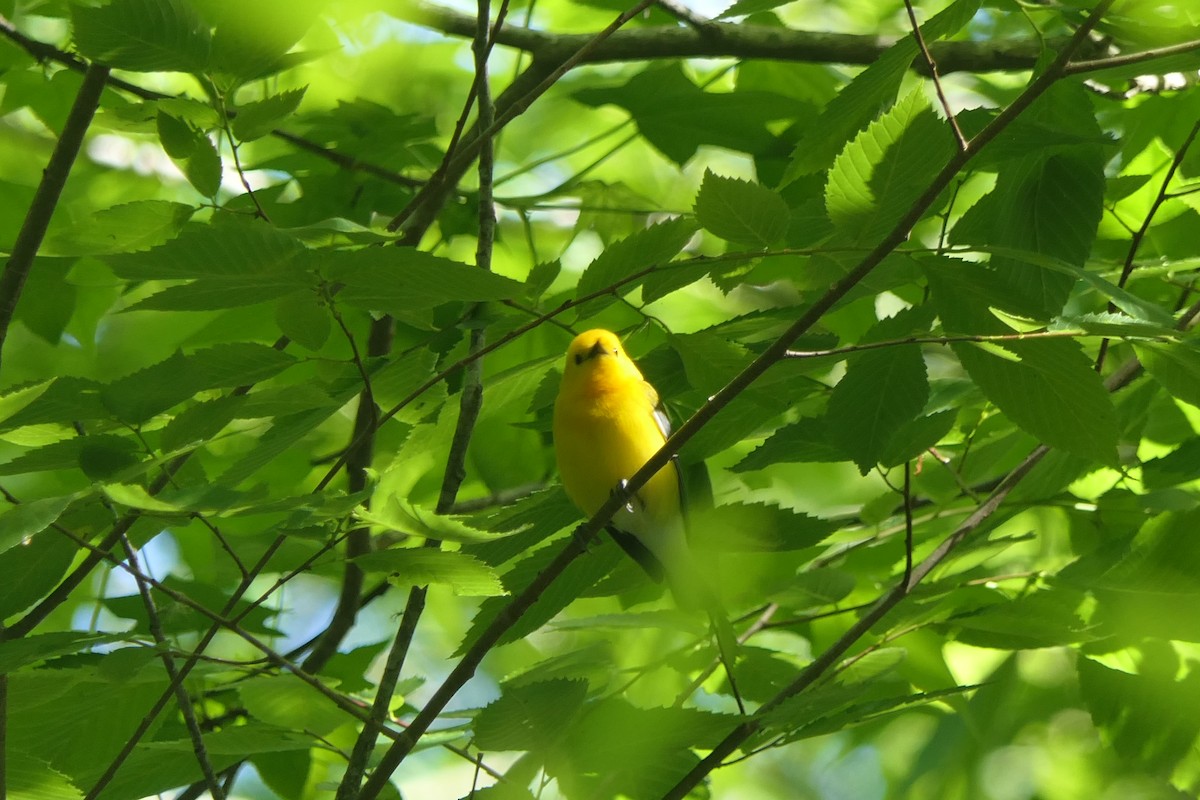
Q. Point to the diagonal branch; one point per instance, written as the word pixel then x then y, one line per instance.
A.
pixel 37 219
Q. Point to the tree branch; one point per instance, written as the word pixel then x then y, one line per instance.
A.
pixel 735 40
pixel 54 177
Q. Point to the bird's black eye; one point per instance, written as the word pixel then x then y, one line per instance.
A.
pixel 579 358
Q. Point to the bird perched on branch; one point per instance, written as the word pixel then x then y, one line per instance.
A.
pixel 607 425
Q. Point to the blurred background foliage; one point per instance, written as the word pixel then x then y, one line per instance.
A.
pixel 183 385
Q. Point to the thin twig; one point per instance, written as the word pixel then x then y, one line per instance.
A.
pixel 933 72
pixel 1135 241
pixel 183 699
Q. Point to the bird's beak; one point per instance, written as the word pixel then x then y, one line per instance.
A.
pixel 598 349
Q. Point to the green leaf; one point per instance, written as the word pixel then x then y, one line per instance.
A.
pixel 37 647
pixel 285 432
pixel 619 749
pixel 285 701
pixel 21 522
pixel 33 569
pixel 1052 393
pixel 741 211
pixel 873 88
pixel 913 438
pixel 412 520
pixel 755 527
pixel 138 397
pixel 257 119
pixel 581 574
pixel 677 116
pixel 1046 618
pixel 199 422
pixel 1148 718
pixel 143 35
pixel 881 391
pixel 135 496
pixel 28 777
pixel 401 279
pixel 807 440
pixel 203 168
pixel 873 664
pixel 231 247
pixel 1141 585
pixel 1176 366
pixel 1066 187
pixel 532 716
pixel 304 319
pixel 124 228
pixel 413 566
pixel 814 588
pixel 654 246
pixel 232 291
pixel 178 138
pixel 876 179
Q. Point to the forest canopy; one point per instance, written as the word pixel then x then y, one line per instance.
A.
pixel 285 297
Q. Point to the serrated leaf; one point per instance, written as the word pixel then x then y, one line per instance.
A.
pixel 232 247
pixel 403 279
pixel 138 397
pixel 882 390
pixel 257 119
pixel 178 138
pixel 33 569
pixel 402 517
pixel 1067 187
pixel 412 566
pixel 28 777
pixel 1045 618
pixel 17 653
pixel 531 716
pixel 872 664
pixel 816 587
pixel 874 87
pixel 124 228
pixel 203 168
pixel 580 574
pixel 916 436
pixel 878 176
pixel 653 246
pixel 219 293
pixel 807 440
pixel 755 527
pixel 741 211
pixel 20 522
pixel 1176 366
pixel 618 749
pixel 1052 393
pixel 285 432
pixel 677 116
pixel 143 35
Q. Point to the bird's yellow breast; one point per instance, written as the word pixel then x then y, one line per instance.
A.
pixel 604 431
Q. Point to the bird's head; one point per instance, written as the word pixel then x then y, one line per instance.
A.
pixel 597 354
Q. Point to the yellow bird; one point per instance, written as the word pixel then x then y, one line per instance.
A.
pixel 607 425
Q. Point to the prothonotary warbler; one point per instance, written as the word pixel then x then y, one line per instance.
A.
pixel 607 424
